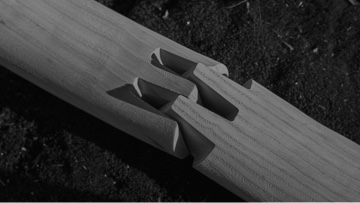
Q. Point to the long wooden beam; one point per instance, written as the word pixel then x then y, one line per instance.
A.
pixel 89 56
pixel 243 137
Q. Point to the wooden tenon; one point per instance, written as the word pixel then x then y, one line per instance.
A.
pixel 245 138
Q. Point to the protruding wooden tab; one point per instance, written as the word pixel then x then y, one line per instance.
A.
pixel 167 137
pixel 211 99
pixel 225 163
pixel 198 145
pixel 265 154
pixel 154 98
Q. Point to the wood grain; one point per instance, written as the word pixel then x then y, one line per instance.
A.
pixel 82 52
pixel 245 138
pixel 270 151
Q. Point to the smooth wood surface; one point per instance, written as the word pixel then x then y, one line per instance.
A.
pixel 270 151
pixel 245 138
pixel 90 56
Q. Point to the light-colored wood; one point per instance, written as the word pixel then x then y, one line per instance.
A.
pixel 245 138
pixel 88 55
pixel 270 151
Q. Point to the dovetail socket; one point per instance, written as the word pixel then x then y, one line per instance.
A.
pixel 208 97
pixel 171 61
pixel 211 99
pixel 153 94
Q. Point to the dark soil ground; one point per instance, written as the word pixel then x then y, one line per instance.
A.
pixel 305 51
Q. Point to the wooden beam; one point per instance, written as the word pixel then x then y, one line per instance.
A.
pixel 89 56
pixel 268 151
pixel 245 138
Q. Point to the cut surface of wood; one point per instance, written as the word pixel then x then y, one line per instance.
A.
pixel 245 138
pixel 270 151
pixel 86 54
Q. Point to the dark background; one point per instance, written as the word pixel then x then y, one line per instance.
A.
pixel 305 51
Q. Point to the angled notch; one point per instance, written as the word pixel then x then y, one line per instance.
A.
pixel 153 94
pixel 160 131
pixel 208 97
pixel 211 99
pixel 173 62
pixel 199 146
pixel 176 64
pixel 129 94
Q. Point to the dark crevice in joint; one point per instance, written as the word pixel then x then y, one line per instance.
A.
pixel 199 146
pixel 145 95
pixel 208 97
pixel 212 100
pixel 155 62
pixel 172 61
pixel 248 84
pixel 129 94
pixel 154 95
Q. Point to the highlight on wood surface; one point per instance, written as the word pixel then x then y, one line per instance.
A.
pixel 89 56
pixel 270 151
pixel 245 138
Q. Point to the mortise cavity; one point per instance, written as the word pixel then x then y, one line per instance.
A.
pixel 248 84
pixel 208 97
pixel 211 99
pixel 151 98
pixel 175 63
pixel 128 93
pixel 153 94
pixel 155 61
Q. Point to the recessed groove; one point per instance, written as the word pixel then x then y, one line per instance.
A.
pixel 156 62
pixel 129 94
pixel 208 97
pixel 162 99
pixel 211 99
pixel 172 61
pixel 154 95
pixel 151 97
pixel 248 84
